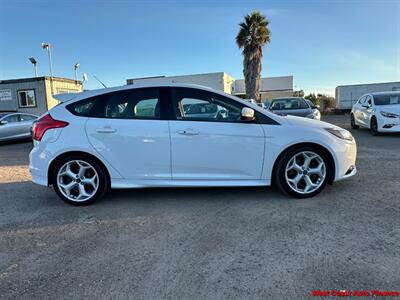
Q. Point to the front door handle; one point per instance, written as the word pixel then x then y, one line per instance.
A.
pixel 188 132
pixel 106 130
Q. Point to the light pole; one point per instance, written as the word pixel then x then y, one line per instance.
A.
pixel 76 66
pixel 34 62
pixel 47 47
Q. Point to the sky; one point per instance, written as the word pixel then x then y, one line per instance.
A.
pixel 323 43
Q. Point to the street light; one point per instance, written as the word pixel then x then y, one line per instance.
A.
pixel 76 66
pixel 47 47
pixel 34 62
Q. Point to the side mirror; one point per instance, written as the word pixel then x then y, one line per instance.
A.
pixel 367 106
pixel 4 122
pixel 247 114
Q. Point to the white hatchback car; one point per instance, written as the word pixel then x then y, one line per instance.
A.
pixel 181 135
pixel 380 112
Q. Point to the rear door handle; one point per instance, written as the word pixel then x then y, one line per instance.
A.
pixel 188 132
pixel 106 130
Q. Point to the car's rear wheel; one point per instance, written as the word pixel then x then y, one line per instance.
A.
pixel 353 122
pixel 79 180
pixel 302 171
pixel 374 126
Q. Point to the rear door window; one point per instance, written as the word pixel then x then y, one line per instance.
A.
pixel 127 104
pixel 133 104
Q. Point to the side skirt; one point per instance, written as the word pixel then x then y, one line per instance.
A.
pixel 126 183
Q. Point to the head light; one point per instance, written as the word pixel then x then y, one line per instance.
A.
pixel 340 133
pixel 389 115
pixel 314 115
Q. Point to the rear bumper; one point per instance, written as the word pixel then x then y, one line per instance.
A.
pixel 38 166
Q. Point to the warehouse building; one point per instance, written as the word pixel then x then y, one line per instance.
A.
pixel 270 87
pixel 34 95
pixel 347 95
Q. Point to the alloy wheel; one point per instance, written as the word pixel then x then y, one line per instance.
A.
pixel 78 180
pixel 305 172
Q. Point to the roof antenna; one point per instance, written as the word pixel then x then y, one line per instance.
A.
pixel 99 81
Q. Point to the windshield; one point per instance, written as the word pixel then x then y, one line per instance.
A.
pixel 310 103
pixel 290 103
pixel 3 115
pixel 387 99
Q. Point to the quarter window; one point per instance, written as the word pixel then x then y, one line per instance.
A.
pixel 27 98
pixel 198 105
pixel 83 108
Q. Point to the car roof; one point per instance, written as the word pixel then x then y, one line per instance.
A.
pixel 287 98
pixel 92 93
pixel 2 114
pixel 5 114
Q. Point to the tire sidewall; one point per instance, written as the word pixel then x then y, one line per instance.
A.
pixel 103 180
pixel 353 122
pixel 374 131
pixel 281 169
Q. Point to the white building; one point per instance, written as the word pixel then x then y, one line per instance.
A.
pixel 347 95
pixel 271 87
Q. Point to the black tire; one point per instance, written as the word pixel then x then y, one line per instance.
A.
pixel 280 177
pixel 103 181
pixel 353 122
pixel 374 126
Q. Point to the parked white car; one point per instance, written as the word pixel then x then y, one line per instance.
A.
pixel 379 112
pixel 173 135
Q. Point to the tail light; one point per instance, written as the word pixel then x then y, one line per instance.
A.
pixel 45 123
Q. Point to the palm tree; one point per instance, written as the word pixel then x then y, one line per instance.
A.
pixel 252 37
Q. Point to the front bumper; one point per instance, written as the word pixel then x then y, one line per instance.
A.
pixel 386 124
pixel 346 161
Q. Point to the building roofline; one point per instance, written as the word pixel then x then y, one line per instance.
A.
pixel 41 78
pixel 149 77
pixel 375 83
pixel 384 93
pixel 169 76
pixel 284 76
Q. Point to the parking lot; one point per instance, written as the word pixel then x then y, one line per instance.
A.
pixel 203 243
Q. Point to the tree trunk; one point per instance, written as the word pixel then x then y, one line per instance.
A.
pixel 252 74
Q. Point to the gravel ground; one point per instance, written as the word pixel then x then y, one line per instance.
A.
pixel 203 243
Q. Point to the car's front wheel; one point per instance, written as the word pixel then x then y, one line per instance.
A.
pixel 374 126
pixel 353 122
pixel 79 180
pixel 302 171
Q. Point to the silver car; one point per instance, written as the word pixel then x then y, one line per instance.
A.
pixel 295 106
pixel 15 126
